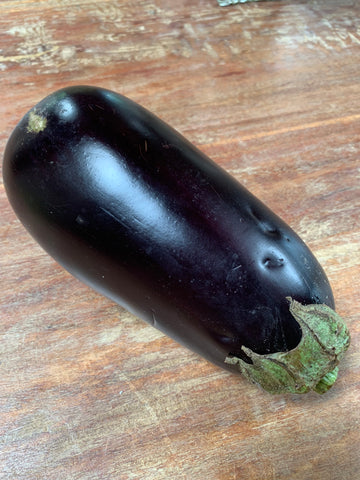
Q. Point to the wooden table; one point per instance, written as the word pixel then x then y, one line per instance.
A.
pixel 269 90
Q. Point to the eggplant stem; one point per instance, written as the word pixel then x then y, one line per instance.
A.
pixel 312 364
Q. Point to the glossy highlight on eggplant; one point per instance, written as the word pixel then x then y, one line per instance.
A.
pixel 131 208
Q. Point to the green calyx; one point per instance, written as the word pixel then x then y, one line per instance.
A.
pixel 312 364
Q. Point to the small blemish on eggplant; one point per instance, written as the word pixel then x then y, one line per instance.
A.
pixel 272 262
pixel 36 123
pixel 81 220
pixel 316 299
pixel 270 230
pixel 265 226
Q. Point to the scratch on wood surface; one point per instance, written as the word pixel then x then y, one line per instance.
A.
pixel 143 398
pixel 35 44
pixel 340 255
pixel 35 35
pixel 295 128
pixel 144 334
pixel 26 56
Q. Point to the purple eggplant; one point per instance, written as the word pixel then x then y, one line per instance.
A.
pixel 131 208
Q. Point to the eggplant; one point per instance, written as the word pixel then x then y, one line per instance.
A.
pixel 134 210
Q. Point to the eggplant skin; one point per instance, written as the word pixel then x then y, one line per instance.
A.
pixel 134 210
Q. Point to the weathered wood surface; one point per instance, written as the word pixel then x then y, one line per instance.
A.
pixel 269 90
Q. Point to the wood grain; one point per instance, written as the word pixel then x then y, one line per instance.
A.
pixel 269 90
